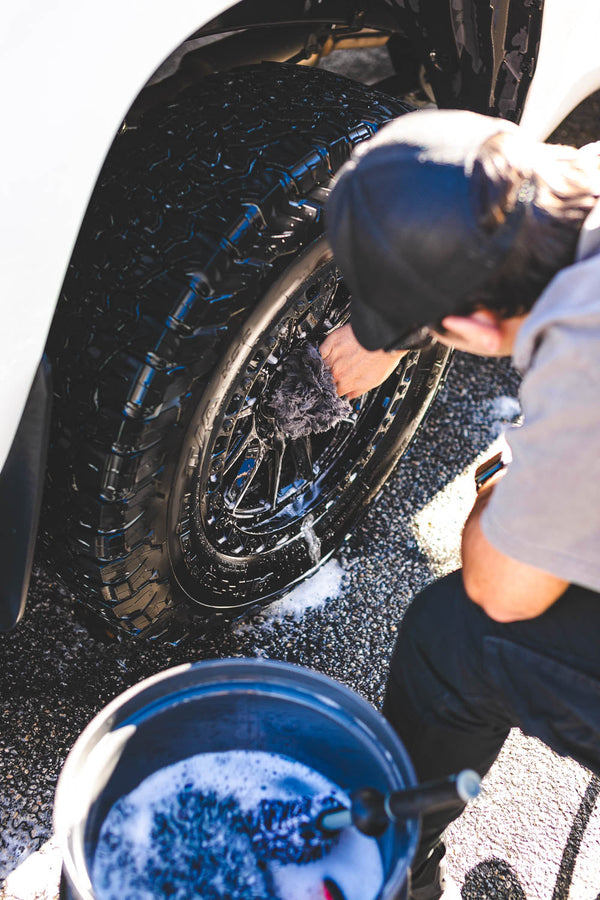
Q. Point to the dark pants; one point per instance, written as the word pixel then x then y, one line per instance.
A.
pixel 459 681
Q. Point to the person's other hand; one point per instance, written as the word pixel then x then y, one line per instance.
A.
pixel 354 369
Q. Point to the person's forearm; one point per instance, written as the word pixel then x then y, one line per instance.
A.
pixel 482 499
pixel 472 527
pixel 472 568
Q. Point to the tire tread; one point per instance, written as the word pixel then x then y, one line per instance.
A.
pixel 195 211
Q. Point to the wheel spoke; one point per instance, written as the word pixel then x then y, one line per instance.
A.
pixel 286 338
pixel 240 450
pixel 332 323
pixel 250 475
pixel 275 464
pixel 302 453
pixel 246 411
pixel 267 480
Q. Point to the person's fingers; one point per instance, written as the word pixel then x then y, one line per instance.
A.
pixel 349 387
pixel 326 347
pixel 344 381
pixel 342 386
pixel 339 366
pixel 339 341
pixel 331 343
pixel 354 370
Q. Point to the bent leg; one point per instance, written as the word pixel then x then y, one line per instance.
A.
pixel 440 705
pixel 459 681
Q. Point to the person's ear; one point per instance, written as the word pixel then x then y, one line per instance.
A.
pixel 480 332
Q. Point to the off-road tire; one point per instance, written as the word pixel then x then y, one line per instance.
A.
pixel 199 216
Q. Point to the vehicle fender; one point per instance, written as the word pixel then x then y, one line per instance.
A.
pixel 21 488
pixel 568 66
pixel 69 72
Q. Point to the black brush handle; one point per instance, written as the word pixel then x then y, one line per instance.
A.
pixel 372 811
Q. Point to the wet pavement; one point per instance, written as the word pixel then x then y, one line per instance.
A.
pixel 56 674
pixel 535 833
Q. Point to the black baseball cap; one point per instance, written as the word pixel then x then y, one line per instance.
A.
pixel 402 223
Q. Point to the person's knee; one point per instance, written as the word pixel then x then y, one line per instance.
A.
pixel 438 696
pixel 436 609
pixel 440 631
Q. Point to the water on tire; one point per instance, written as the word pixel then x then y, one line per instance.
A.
pixel 174 836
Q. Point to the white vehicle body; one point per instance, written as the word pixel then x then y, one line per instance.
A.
pixel 568 67
pixel 70 73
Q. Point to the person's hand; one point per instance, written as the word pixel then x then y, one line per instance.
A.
pixel 354 369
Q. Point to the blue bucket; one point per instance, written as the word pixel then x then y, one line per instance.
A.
pixel 230 704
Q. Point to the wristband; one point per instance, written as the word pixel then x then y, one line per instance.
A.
pixel 488 469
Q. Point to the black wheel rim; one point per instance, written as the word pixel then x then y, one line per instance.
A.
pixel 262 485
pixel 250 492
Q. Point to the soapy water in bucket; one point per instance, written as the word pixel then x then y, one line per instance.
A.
pixel 177 835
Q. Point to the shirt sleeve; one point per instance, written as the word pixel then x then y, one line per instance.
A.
pixel 546 510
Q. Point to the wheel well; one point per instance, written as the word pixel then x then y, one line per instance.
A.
pixel 255 31
pixel 211 221
pixel 250 13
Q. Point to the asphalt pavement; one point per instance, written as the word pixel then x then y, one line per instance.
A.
pixel 534 833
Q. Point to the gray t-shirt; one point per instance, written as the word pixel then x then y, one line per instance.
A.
pixel 546 510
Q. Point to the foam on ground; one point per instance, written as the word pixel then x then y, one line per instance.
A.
pixel 324 585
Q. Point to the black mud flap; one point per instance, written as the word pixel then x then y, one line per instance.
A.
pixel 21 486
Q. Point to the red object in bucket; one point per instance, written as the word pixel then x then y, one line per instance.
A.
pixel 331 890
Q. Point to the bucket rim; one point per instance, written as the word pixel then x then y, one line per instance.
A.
pixel 110 719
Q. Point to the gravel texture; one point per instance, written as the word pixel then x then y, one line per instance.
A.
pixel 56 674
pixel 534 833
